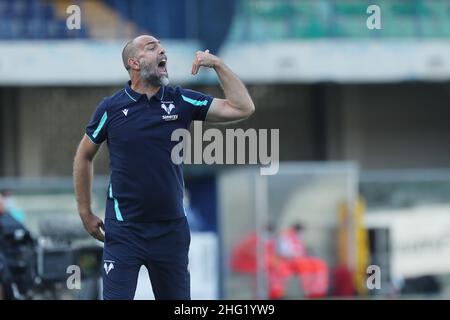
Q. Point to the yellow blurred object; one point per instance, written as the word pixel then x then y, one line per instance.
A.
pixel 342 236
pixel 352 235
pixel 362 248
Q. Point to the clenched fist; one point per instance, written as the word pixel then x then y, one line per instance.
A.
pixel 204 59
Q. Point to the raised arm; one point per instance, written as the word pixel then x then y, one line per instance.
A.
pixel 237 104
pixel 83 169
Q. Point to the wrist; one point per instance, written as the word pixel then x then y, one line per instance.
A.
pixel 85 213
pixel 218 64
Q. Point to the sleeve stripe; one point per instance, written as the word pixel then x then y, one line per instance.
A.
pixel 91 139
pixel 207 111
pixel 100 125
pixel 195 102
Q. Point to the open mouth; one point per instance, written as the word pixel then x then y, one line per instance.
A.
pixel 162 66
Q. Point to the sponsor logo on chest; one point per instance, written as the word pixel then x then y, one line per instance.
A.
pixel 168 107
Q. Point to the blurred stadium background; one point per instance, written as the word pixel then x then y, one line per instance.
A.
pixel 364 137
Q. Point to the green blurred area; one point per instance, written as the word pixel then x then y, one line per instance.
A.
pixel 259 20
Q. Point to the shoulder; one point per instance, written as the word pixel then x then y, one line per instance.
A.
pixel 193 97
pixel 178 91
pixel 171 92
pixel 118 98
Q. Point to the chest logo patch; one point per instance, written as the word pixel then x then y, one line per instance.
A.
pixel 125 112
pixel 168 109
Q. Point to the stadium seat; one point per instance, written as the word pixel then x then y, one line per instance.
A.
pixel 5 8
pixel 311 19
pixel 20 9
pixel 18 28
pixel 350 8
pixel 272 10
pixel 36 29
pixel 6 31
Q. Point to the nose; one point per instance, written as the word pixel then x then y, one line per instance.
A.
pixel 162 50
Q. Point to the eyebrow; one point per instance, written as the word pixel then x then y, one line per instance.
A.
pixel 151 42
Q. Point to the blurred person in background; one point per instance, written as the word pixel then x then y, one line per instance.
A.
pixel 11 205
pixel 291 244
pixel 244 260
pixel 145 223
pixel 311 271
pixel 243 257
pixel 285 256
pixel 6 222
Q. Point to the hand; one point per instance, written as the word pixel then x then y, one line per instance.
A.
pixel 204 59
pixel 94 226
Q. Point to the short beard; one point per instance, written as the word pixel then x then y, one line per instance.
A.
pixel 149 76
